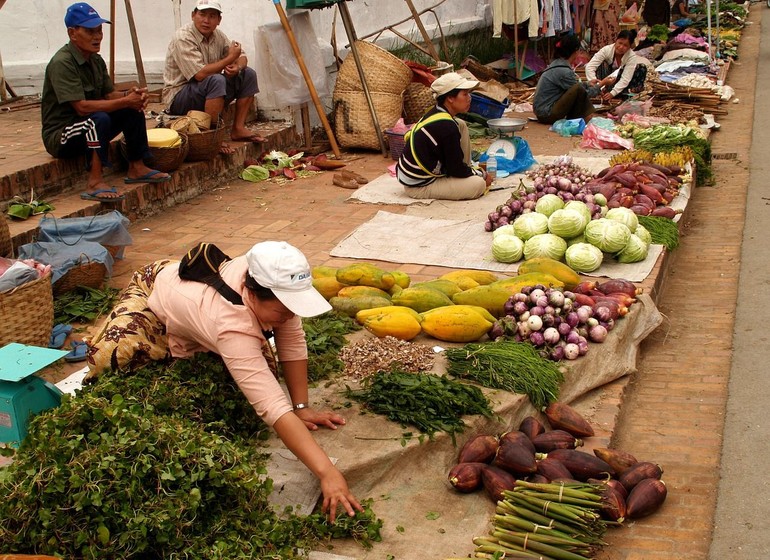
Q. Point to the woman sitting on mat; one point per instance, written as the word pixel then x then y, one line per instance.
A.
pixel 619 57
pixel 560 94
pixel 436 159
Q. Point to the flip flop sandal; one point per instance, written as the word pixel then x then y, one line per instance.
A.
pixel 94 195
pixel 149 177
pixel 79 352
pixel 59 335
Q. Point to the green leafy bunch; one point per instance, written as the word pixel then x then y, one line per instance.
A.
pixel 325 336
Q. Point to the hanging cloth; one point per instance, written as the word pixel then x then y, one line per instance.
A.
pixel 503 11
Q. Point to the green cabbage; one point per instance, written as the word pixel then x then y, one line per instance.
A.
pixel 255 173
pixel 583 257
pixel 610 236
pixel 507 248
pixel 624 216
pixel 580 207
pixel 579 239
pixel 527 225
pixel 566 223
pixel 545 245
pixel 507 229
pixel 600 199
pixel 634 251
pixel 642 233
pixel 548 204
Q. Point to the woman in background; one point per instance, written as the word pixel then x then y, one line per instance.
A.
pixel 619 56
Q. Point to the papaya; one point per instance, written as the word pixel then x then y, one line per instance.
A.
pixel 359 291
pixel 514 284
pixel 480 310
pixel 352 305
pixel 555 268
pixel 365 314
pixel 442 285
pixel 323 272
pixel 421 299
pixel 402 278
pixel 396 289
pixel 365 274
pixel 491 297
pixel 464 282
pixel 327 286
pixel 483 277
pixel 399 325
pixel 455 323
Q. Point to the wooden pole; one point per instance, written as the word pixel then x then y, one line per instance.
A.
pixel 177 13
pixel 421 27
pixel 308 79
pixel 135 44
pixel 351 32
pixel 112 40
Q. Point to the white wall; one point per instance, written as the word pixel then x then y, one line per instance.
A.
pixel 31 31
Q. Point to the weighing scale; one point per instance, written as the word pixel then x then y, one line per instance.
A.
pixel 504 146
pixel 22 393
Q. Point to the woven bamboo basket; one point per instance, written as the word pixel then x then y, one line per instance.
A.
pixel 86 273
pixel 417 100
pixel 6 244
pixel 205 145
pixel 384 72
pixel 27 313
pixel 353 123
pixel 164 159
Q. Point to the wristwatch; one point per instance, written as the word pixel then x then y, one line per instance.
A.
pixel 300 406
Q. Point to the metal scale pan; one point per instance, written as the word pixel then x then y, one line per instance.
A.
pixel 506 129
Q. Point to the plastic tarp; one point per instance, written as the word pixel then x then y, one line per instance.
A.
pixel 109 229
pixel 62 257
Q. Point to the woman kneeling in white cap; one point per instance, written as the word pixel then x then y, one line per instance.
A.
pixel 436 159
pixel 274 281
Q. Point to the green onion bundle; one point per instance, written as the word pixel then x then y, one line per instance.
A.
pixel 663 231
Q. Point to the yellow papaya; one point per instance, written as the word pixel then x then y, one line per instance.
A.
pixel 352 305
pixel 402 278
pixel 365 314
pixel 483 277
pixel 327 286
pixel 396 289
pixel 399 325
pixel 441 284
pixel 464 282
pixel 323 272
pixel 365 274
pixel 359 291
pixel 421 299
pixel 492 298
pixel 514 284
pixel 555 268
pixel 455 323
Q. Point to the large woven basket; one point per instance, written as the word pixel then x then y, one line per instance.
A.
pixel 27 313
pixel 164 159
pixel 353 123
pixel 86 273
pixel 204 146
pixel 6 244
pixel 384 72
pixel 417 100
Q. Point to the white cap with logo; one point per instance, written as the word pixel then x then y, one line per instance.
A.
pixel 285 271
pixel 208 5
pixel 446 83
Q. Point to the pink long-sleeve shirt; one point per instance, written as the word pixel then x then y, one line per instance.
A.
pixel 198 319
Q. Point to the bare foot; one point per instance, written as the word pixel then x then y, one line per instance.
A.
pixel 246 135
pixel 226 149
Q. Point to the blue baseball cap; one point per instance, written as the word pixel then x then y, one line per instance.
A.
pixel 83 15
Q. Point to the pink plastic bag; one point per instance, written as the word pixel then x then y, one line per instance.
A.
pixel 633 107
pixel 601 139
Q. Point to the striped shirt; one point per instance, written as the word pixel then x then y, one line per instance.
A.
pixel 188 52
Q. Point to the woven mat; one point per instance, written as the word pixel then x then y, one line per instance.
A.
pixel 451 243
pixel 385 189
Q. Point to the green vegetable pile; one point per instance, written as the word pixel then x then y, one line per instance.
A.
pixel 663 231
pixel 658 33
pixel 511 366
pixel 664 138
pixel 429 402
pixel 325 336
pixel 83 304
pixel 131 471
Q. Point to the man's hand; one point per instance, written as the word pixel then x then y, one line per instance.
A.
pixel 315 418
pixel 607 96
pixel 231 70
pixel 608 81
pixel 234 52
pixel 137 98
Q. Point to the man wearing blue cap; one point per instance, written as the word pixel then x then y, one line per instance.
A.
pixel 82 112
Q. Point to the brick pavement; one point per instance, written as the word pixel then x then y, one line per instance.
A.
pixel 671 411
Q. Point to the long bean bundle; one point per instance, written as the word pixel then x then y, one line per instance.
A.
pixel 511 366
pixel 663 231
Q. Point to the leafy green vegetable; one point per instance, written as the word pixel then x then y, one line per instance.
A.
pixel 658 33
pixel 507 248
pixel 608 235
pixel 583 257
pixel 545 245
pixel 634 251
pixel 325 336
pixel 663 231
pixel 83 304
pixel 432 403
pixel 255 173
pixel 663 138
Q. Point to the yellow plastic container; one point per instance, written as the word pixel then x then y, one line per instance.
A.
pixel 162 137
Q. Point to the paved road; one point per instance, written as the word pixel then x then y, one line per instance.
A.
pixel 742 524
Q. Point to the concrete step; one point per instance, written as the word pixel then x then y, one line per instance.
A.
pixel 142 199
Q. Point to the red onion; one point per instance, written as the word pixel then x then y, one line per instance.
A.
pixel 494 216
pixel 502 221
pixel 582 347
pixel 572 337
pixel 537 310
pixel 549 310
pixel 564 329
pixel 519 307
pixel 515 206
pixel 536 338
pixel 488 226
pixel 572 319
pixel 550 190
pixel 527 290
pixel 602 312
pixel 563 184
pixel 557 354
pixel 597 333
pixel 542 300
pixel 506 211
pixel 584 313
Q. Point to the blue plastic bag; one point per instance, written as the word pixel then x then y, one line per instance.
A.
pixel 522 161
pixel 569 127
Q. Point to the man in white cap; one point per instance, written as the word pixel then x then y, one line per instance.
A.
pixel 274 281
pixel 436 159
pixel 205 71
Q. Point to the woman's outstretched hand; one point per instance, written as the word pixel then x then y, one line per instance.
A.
pixel 336 492
pixel 314 419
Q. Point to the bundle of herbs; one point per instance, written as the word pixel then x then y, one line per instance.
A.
pixel 663 231
pixel 152 466
pixel 325 337
pixel 512 366
pixel 83 304
pixel 429 402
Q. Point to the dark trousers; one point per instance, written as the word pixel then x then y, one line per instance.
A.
pixel 95 131
pixel 574 104
pixel 193 96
